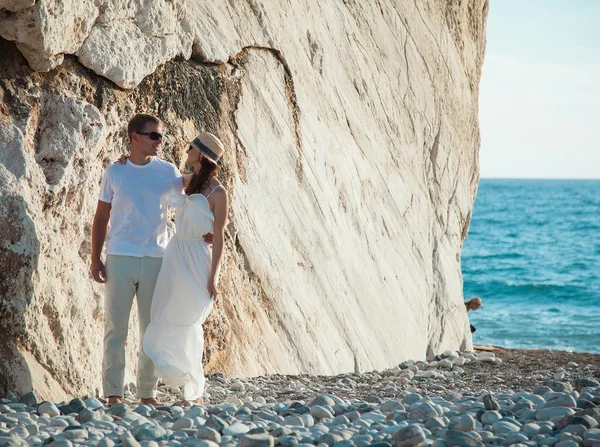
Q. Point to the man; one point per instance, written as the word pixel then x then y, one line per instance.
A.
pixel 134 198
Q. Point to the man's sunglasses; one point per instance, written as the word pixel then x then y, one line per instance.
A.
pixel 153 135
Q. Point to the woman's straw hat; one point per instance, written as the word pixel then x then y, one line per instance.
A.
pixel 209 145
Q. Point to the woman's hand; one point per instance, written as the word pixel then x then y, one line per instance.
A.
pixel 122 159
pixel 213 292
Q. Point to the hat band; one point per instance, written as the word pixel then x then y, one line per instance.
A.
pixel 204 148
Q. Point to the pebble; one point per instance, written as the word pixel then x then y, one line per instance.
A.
pixel 258 440
pixel 567 443
pixel 455 438
pixel 489 417
pixel 322 400
pixel 77 434
pixel 237 386
pixel 209 434
pixel 330 439
pixel 149 432
pixel 446 363
pixel 236 429
pixel 415 404
pixel 423 411
pixel 490 403
pixel 61 443
pixel 182 424
pixel 584 382
pixel 546 414
pixel 466 423
pixel 86 415
pixel 561 387
pixel 550 441
pixel 29 399
pixel 75 406
pixel 411 436
pixel 294 421
pixel 503 427
pixel 204 443
pixel 48 408
pixel 561 400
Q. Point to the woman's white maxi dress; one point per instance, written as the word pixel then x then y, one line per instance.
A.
pixel 174 339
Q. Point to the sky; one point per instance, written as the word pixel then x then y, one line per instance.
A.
pixel 539 102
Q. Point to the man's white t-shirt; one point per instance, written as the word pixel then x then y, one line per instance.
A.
pixel 139 197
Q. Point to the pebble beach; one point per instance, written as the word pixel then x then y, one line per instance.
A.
pixel 492 396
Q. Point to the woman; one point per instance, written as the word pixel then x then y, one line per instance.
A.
pixel 187 283
pixel 473 304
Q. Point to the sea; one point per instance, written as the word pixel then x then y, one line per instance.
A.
pixel 532 255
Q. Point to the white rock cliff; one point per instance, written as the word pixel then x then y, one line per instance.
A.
pixel 352 163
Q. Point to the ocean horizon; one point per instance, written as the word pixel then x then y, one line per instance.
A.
pixel 542 178
pixel 532 255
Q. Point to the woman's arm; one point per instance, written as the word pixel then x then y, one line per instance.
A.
pixel 220 211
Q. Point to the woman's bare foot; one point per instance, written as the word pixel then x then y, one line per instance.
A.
pixel 114 400
pixel 199 401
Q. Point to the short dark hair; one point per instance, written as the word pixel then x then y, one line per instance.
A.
pixel 138 123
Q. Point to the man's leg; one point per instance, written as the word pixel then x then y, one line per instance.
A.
pixel 146 377
pixel 121 272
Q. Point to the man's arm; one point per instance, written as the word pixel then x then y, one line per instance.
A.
pixel 186 179
pixel 98 236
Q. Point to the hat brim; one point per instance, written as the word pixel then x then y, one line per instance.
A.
pixel 204 150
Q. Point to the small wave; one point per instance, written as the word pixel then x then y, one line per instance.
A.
pixel 501 256
pixel 491 221
pixel 536 286
pixel 585 228
pixel 577 266
pixel 514 288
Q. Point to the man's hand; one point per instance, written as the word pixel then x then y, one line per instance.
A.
pixel 208 237
pixel 99 228
pixel 122 159
pixel 98 271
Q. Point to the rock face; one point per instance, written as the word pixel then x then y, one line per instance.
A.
pixel 352 165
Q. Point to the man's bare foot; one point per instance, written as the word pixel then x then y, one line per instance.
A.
pixel 150 401
pixel 114 400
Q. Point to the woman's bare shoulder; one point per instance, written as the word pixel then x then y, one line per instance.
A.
pixel 217 187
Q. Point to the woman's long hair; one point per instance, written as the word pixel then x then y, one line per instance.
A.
pixel 201 178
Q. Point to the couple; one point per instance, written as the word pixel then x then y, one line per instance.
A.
pixel 174 295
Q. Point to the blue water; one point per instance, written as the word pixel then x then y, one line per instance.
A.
pixel 533 255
